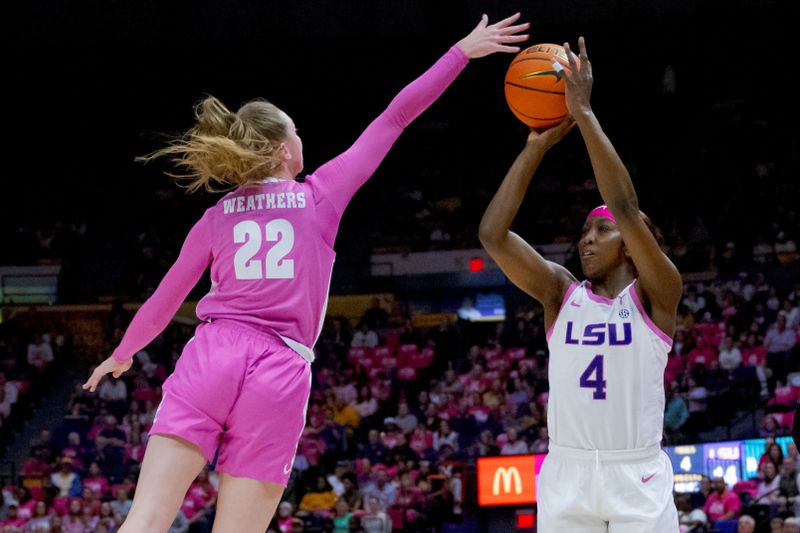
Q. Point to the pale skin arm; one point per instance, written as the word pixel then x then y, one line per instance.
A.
pixel 660 283
pixel 544 280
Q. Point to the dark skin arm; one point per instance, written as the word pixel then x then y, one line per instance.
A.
pixel 544 280
pixel 659 286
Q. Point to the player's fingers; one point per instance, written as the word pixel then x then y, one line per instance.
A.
pixel 507 21
pixel 570 57
pixel 514 38
pixel 565 125
pixel 582 49
pixel 510 49
pixel 91 383
pixel 515 29
pixel 483 22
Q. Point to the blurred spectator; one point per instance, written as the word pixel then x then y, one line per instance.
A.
pixel 514 445
pixel 779 342
pixel 96 481
pixel 541 444
pixel 768 484
pixel 66 480
pixel 381 490
pixel 40 353
pixel 341 522
pixel 336 478
pixel 364 337
pixel 376 316
pixel 10 389
pixel 319 498
pixel 747 524
pixel 375 520
pixel 12 518
pixel 445 435
pixel 405 419
pixel 729 355
pixel 690 520
pixel 676 413
pixel 722 504
pixel 41 520
pixel 121 504
pixel 788 499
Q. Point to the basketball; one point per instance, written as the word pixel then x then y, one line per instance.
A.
pixel 534 86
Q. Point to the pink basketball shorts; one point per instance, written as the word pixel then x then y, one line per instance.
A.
pixel 242 390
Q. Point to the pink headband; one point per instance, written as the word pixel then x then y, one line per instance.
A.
pixel 601 211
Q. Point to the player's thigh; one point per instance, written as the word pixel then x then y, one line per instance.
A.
pixel 169 467
pixel 245 505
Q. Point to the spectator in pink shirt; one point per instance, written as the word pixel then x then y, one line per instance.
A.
pixel 12 518
pixel 96 481
pixel 722 504
pixel 421 439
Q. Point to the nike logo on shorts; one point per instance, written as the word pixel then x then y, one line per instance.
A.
pixel 645 479
pixel 287 469
pixel 573 304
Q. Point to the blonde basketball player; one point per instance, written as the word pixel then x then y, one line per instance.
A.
pixel 608 336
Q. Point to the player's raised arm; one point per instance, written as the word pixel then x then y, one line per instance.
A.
pixel 341 177
pixel 659 280
pixel 544 280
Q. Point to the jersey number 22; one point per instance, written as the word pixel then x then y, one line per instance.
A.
pixel 274 265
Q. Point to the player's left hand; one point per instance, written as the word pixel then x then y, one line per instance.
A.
pixel 578 79
pixel 551 136
pixel 487 39
pixel 110 365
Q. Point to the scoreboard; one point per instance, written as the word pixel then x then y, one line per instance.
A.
pixel 732 461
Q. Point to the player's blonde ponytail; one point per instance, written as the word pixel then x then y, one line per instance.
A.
pixel 225 150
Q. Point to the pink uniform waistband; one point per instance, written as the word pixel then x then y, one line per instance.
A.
pixel 268 336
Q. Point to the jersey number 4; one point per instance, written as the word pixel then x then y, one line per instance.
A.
pixel 274 265
pixel 597 382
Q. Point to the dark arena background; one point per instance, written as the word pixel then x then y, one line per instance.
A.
pixel 438 420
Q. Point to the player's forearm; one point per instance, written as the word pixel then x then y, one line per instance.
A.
pixel 503 208
pixel 613 180
pixel 148 322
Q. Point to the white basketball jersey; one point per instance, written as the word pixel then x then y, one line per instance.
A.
pixel 606 372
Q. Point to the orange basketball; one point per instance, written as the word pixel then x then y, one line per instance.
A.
pixel 535 86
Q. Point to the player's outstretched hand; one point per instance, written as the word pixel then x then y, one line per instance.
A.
pixel 551 136
pixel 578 79
pixel 488 38
pixel 110 365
